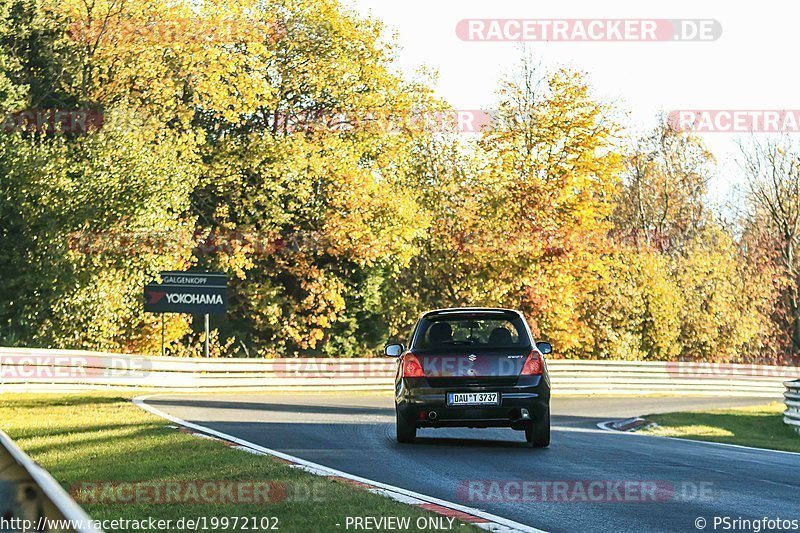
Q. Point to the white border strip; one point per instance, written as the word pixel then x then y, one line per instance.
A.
pixel 505 523
pixel 606 426
pixel 50 488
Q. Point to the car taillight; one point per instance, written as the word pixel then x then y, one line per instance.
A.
pixel 533 364
pixel 412 368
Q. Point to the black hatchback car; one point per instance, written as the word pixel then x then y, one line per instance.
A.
pixel 472 367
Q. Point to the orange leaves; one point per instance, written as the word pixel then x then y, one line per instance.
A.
pixel 285 121
pixel 520 217
pixel 320 306
pixel 370 220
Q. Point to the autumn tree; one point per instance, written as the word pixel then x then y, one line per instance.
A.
pixel 133 62
pixel 661 203
pixel 633 313
pixel 772 170
pixel 518 217
pixel 724 305
pixel 318 169
pixel 276 141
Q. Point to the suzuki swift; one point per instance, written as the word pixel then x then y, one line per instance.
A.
pixel 472 367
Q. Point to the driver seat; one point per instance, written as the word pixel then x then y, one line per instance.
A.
pixel 500 337
pixel 440 332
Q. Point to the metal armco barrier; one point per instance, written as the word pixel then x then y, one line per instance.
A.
pixel 34 369
pixel 792 399
pixel 31 500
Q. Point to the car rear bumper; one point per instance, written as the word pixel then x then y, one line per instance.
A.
pixel 415 401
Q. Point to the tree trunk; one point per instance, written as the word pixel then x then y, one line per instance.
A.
pixel 794 309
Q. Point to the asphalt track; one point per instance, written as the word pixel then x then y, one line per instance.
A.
pixel 355 434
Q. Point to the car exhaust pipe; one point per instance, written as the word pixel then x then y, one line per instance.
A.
pixel 433 415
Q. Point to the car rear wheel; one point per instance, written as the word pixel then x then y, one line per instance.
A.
pixel 538 433
pixel 405 432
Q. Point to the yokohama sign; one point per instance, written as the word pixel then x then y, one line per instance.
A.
pixel 196 294
pixel 194 299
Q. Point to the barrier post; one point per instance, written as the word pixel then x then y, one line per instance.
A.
pixel 791 416
pixel 205 350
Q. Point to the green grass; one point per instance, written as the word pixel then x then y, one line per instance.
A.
pixel 103 437
pixel 759 427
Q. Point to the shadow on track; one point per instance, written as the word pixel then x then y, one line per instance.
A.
pixel 468 443
pixel 274 407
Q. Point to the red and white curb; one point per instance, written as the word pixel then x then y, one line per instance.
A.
pixel 460 513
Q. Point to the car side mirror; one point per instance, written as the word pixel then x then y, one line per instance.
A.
pixel 544 347
pixel 394 350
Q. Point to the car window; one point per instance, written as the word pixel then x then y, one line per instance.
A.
pixel 473 331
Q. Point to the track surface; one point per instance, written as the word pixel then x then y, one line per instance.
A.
pixel 356 435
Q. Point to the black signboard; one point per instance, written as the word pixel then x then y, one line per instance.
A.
pixel 195 293
pixel 163 298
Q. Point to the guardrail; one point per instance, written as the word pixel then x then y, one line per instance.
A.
pixel 31 500
pixel 792 399
pixel 34 369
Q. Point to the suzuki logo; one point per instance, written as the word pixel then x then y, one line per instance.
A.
pixel 472 357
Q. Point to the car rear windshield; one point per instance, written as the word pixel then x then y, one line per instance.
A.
pixel 475 331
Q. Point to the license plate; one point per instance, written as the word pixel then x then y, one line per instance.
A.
pixel 473 398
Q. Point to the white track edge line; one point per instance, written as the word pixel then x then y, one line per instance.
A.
pixel 516 526
pixel 605 426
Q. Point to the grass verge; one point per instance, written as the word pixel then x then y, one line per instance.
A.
pixel 760 427
pixel 106 451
